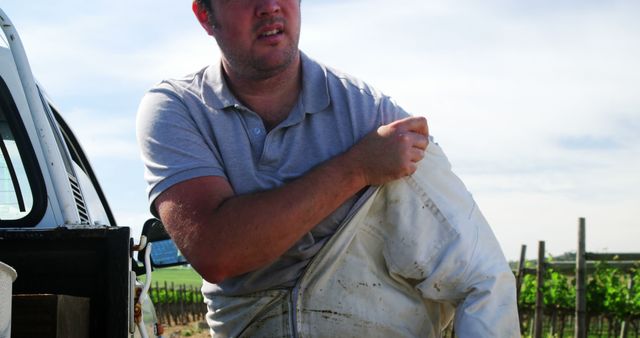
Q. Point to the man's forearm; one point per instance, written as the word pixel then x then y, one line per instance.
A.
pixel 246 232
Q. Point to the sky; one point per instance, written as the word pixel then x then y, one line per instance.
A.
pixel 536 103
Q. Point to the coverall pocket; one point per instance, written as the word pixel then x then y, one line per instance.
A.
pixel 260 314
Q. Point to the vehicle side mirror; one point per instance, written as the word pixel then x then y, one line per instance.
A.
pixel 164 252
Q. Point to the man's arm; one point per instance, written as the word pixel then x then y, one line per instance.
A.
pixel 224 235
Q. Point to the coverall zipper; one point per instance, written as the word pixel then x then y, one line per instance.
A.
pixel 296 289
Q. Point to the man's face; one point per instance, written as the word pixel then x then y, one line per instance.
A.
pixel 258 38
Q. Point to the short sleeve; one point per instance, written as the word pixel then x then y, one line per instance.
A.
pixel 390 111
pixel 173 146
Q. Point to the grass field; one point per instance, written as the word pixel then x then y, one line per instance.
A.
pixel 177 275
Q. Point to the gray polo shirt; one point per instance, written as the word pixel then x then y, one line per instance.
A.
pixel 194 126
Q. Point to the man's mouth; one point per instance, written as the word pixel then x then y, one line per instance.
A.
pixel 270 33
pixel 270 28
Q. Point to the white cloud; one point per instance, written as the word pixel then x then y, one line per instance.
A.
pixel 103 135
pixel 609 225
pixel 91 53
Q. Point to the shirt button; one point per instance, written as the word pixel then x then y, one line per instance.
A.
pixel 257 131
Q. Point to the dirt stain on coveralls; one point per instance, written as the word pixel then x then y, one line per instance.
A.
pixel 343 317
pixel 436 286
pixel 331 315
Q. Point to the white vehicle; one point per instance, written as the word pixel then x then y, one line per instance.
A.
pixel 56 228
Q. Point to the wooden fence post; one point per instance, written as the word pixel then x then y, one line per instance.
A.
pixel 624 329
pixel 169 301
pixel 183 314
pixel 537 330
pixel 581 273
pixel 520 278
pixel 520 271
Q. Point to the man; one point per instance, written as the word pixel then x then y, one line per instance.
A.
pixel 255 163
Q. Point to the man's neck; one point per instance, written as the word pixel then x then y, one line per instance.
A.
pixel 272 98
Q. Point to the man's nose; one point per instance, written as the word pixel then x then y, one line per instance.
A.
pixel 267 7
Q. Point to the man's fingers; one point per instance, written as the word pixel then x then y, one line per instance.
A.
pixel 421 142
pixel 416 140
pixel 416 124
pixel 416 154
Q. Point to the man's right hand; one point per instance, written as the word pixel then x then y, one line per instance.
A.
pixel 392 151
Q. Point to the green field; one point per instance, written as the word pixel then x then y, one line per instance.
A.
pixel 178 275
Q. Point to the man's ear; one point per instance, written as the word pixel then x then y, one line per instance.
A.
pixel 203 17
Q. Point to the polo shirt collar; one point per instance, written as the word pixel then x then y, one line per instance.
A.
pixel 215 89
pixel 315 89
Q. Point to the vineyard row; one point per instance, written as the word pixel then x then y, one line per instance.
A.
pixel 600 293
pixel 177 305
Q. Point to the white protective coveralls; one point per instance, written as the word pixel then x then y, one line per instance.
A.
pixel 415 254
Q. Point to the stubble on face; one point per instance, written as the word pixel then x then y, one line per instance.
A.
pixel 256 65
pixel 263 61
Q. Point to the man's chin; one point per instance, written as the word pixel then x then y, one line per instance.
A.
pixel 274 64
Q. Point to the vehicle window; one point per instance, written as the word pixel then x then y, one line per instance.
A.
pixel 16 199
pixel 23 197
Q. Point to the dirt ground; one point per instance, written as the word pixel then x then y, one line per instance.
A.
pixel 193 330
